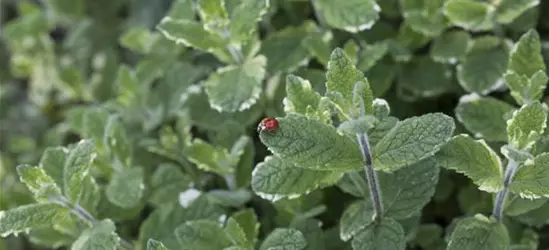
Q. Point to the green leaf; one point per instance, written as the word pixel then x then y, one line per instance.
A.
pixel 469 14
pixel 52 161
pixel 213 14
pixel 101 236
pixel 236 87
pixel 412 140
pixel 311 229
pixel 475 159
pixel 49 237
pixel 311 144
pixel 117 143
pixel 517 155
pixel 181 9
pixel 210 158
pixel 526 58
pixel 233 198
pixel 192 34
pixel 485 117
pixel 531 180
pixel 76 169
pixel 536 217
pixel 430 24
pixel 416 78
pixel 167 182
pixel 342 76
pixel 30 216
pixel 138 39
pixel 291 40
pixel 483 67
pixel 236 234
pixel 509 10
pixel 284 239
pixel 247 221
pixel 451 47
pixel 126 187
pixel 387 234
pixel 155 245
pixel 370 55
pixel 300 95
pixel 479 232
pixel 201 235
pixel 355 218
pixel 526 125
pixel 516 205
pixel 244 19
pixel 274 179
pixel 408 190
pixel 352 16
pixel 526 90
pixel 319 45
pixel 39 183
pixel 351 50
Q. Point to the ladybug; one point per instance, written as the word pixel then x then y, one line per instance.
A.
pixel 268 124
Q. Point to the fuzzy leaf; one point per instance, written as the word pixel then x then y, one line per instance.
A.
pixel 244 19
pixel 30 216
pixel 479 232
pixel 352 16
pixel 412 140
pixel 355 218
pixel 532 179
pixel 101 236
pixel 213 14
pixel 526 90
pixel 201 235
pixel 451 47
pixel 516 205
pixel 284 239
pixel 388 234
pixel 469 14
pixel 509 10
pixel 38 182
pixel 117 142
pixel 155 245
pixel 236 87
pixel 210 158
pixel 236 234
pixel 275 178
pixel 76 168
pixel 126 187
pixel 300 95
pixel 311 229
pixel 526 125
pixel 308 143
pixel 247 221
pixel 52 161
pixel 484 116
pixel 526 59
pixel 475 159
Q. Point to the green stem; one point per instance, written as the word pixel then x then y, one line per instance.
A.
pixel 501 196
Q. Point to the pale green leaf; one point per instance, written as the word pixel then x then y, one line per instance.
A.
pixel 509 10
pixel 408 190
pixel 275 178
pixel 117 143
pixel 181 9
pixel 39 183
pixel 412 140
pixel 536 217
pixel 126 187
pixel 428 24
pixel 49 237
pixel 192 34
pixel 166 183
pixel 479 233
pixel 284 239
pixel 451 47
pixel 475 159
pixel 232 198
pixel 291 41
pixel 91 195
pixel 101 236
pixel 417 77
pixel 526 58
pixel 236 234
pixel 155 245
pixel 213 14
pixel 524 89
pixel 484 117
pixel 517 155
pixel 52 161
pixel 469 14
pixel 201 235
pixel 351 50
pixel 248 221
pixel 308 143
pixel 516 205
pixel 311 229
pixel 387 234
pixel 342 76
pixel 526 125
pixel 482 69
pixel 300 95
pixel 30 216
pixel 319 45
pixel 210 158
pixel 76 168
pixel 236 87
pixel 138 39
pixel 355 218
pixel 352 16
pixel 244 18
pixel 532 178
pixel 370 54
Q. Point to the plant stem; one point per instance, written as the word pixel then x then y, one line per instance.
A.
pixel 371 175
pixel 501 196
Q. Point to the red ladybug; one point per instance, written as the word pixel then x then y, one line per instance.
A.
pixel 268 124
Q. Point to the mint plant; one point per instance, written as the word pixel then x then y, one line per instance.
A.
pixel 288 124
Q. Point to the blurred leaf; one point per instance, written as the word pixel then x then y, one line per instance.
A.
pixel 29 216
pixel 355 218
pixel 515 205
pixel 284 239
pixel 311 229
pixel 387 234
pixel 526 125
pixel 155 245
pixel 451 47
pixel 39 183
pixel 101 236
pixel 201 235
pixel 530 181
pixel 167 182
pixel 126 187
pixel 479 232
pixel 509 10
pixel 352 16
pixel 76 168
pixel 469 14
pixel 244 19
pixel 291 41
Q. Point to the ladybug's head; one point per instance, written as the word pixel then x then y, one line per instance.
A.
pixel 269 124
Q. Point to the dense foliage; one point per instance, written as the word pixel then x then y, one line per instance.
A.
pixel 400 124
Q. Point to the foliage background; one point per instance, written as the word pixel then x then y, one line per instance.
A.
pixel 64 60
